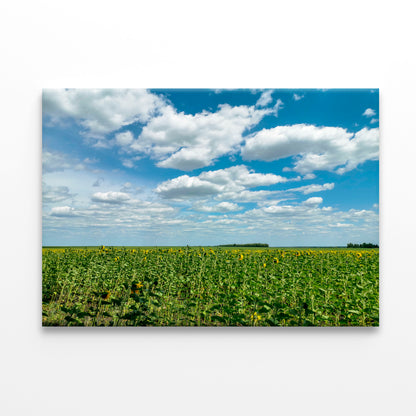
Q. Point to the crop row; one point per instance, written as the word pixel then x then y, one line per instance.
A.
pixel 209 287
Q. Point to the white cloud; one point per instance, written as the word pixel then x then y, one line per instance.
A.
pixel 265 98
pixel 58 162
pixel 221 207
pixel 277 107
pixel 245 196
pixel 297 97
pixel 62 211
pixel 128 163
pixel 339 225
pixel 185 187
pixel 313 202
pixel 369 112
pixel 309 189
pixel 241 176
pixel 124 139
pixel 110 197
pixel 53 162
pixel 317 148
pixel 100 111
pixel 309 176
pixel 186 142
pixel 374 120
pixel 210 183
pixel 53 194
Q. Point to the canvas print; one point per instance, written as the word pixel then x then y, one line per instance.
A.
pixel 210 207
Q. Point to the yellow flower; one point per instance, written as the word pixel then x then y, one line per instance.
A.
pixel 255 317
pixel 276 260
pixel 264 264
pixel 240 257
pixel 135 287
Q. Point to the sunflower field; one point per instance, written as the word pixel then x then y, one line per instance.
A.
pixel 202 286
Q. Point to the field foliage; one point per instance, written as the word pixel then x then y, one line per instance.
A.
pixel 209 287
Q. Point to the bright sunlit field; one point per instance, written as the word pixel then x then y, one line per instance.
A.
pixel 189 286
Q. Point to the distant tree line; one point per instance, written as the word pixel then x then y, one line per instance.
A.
pixel 245 245
pixel 362 245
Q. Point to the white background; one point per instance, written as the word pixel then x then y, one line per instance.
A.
pixel 208 371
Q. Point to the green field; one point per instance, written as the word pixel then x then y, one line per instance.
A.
pixel 201 286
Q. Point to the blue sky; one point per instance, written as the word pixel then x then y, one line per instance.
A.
pixel 206 167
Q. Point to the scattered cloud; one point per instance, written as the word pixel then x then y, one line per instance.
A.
pixel 309 189
pixel 58 162
pixel 231 202
pixel 278 105
pixel 128 163
pixel 62 211
pixel 316 148
pixel 297 97
pixel 309 176
pixel 53 194
pixel 221 207
pixel 369 112
pixel 124 139
pixel 339 225
pixel 187 142
pixel 313 202
pixel 110 197
pixel 265 99
pixel 53 162
pixel 245 196
pixel 211 183
pixel 100 111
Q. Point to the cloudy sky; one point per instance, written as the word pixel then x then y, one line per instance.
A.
pixel 207 167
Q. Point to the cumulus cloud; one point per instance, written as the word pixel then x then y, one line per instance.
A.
pixel 186 141
pixel 313 202
pixel 210 183
pixel 317 148
pixel 110 197
pixel 265 98
pixel 62 211
pixel 309 176
pixel 100 111
pixel 221 207
pixel 124 139
pixel 369 112
pixel 309 189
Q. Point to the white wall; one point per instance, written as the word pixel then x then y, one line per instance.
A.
pixel 204 44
